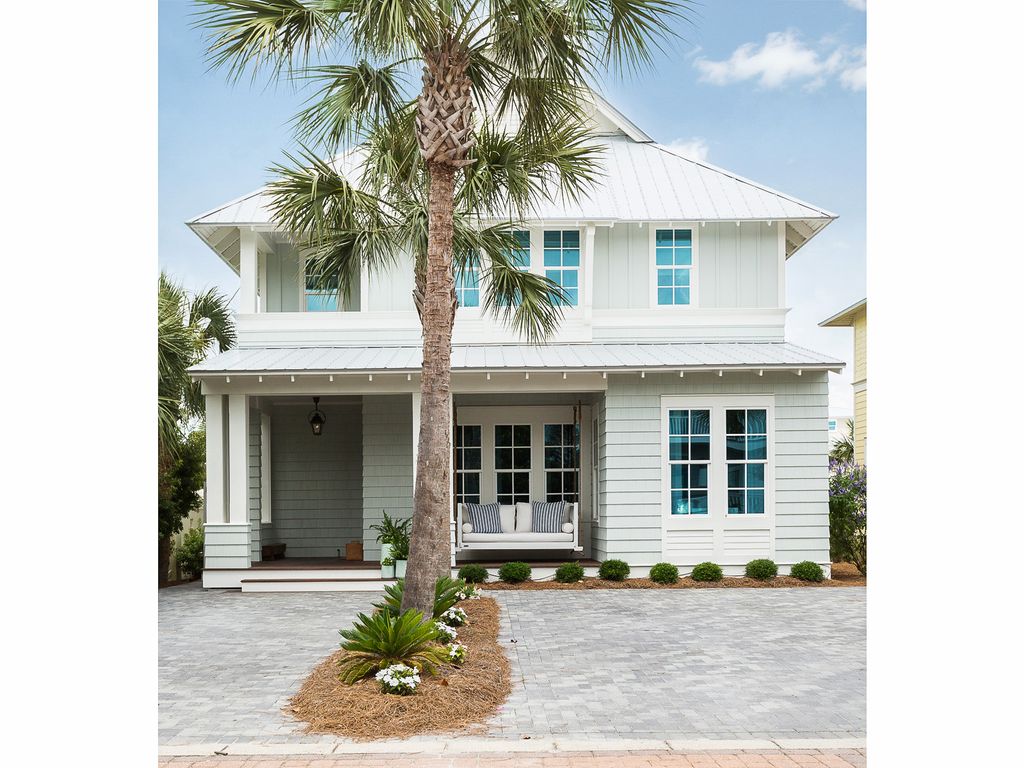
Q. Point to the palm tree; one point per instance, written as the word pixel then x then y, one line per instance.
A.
pixel 187 329
pixel 842 450
pixel 444 170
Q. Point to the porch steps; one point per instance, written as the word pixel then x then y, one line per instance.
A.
pixel 304 584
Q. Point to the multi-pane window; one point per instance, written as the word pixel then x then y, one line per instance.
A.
pixel 673 257
pixel 512 462
pixel 467 285
pixel 746 456
pixel 689 458
pixel 321 296
pixel 562 261
pixel 520 255
pixel 468 452
pixel 561 459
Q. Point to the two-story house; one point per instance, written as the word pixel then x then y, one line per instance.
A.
pixel 669 406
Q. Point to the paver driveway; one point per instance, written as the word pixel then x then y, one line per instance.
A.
pixel 717 664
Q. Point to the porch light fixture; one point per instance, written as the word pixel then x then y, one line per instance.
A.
pixel 316 418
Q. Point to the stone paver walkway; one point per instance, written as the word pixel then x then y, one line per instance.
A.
pixel 785 664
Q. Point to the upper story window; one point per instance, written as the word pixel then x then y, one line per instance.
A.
pixel 520 255
pixel 320 297
pixel 467 286
pixel 562 261
pixel 673 258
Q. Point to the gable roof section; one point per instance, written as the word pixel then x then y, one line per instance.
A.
pixel 846 317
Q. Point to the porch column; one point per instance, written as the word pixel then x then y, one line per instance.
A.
pixel 247 262
pixel 238 460
pixel 216 511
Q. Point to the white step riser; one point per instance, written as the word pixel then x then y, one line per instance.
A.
pixel 316 586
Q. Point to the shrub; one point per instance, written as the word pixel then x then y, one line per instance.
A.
pixel 762 569
pixel 473 573
pixel 567 573
pixel 807 571
pixel 613 570
pixel 189 556
pixel 379 641
pixel 446 594
pixel 454 617
pixel 399 679
pixel 706 572
pixel 664 573
pixel 848 514
pixel 514 573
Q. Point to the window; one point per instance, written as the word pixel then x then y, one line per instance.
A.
pixel 322 297
pixel 746 456
pixel 512 462
pixel 562 261
pixel 468 453
pixel 467 285
pixel 561 459
pixel 689 457
pixel 520 255
pixel 673 258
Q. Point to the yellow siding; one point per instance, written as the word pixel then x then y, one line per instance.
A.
pixel 860 386
pixel 860 426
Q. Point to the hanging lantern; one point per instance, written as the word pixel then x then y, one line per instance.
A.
pixel 317 418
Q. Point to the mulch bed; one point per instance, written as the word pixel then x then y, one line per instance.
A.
pixel 458 698
pixel 843 575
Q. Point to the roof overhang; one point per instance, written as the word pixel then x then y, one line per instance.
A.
pixel 846 317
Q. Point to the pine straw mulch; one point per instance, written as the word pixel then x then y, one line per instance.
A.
pixel 843 575
pixel 458 697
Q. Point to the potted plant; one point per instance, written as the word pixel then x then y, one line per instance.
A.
pixel 400 552
pixel 390 533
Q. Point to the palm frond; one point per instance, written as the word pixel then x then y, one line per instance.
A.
pixel 254 34
pixel 633 30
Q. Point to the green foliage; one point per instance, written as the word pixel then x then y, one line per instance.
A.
pixel 807 571
pixel 567 573
pixel 472 573
pixel 848 514
pixel 189 556
pixel 383 639
pixel 394 533
pixel 842 450
pixel 514 573
pixel 613 570
pixel 664 573
pixel 182 475
pixel 706 571
pixel 761 569
pixel 446 594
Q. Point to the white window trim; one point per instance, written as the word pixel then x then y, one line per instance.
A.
pixel 579 459
pixel 462 471
pixel 537 262
pixel 652 265
pixel 475 311
pixel 528 472
pixel 302 293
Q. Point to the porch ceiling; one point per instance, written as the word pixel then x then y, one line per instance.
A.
pixel 519 357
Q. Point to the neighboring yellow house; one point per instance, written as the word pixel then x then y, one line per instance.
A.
pixel 857 318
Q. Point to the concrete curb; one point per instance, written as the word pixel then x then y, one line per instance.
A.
pixel 479 745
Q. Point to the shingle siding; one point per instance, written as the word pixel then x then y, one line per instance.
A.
pixel 387 469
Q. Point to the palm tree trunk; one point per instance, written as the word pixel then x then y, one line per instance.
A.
pixel 430 550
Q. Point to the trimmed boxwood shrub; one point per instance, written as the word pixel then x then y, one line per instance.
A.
pixel 514 573
pixel 471 573
pixel 807 571
pixel 664 573
pixel 707 571
pixel 567 573
pixel 762 569
pixel 613 570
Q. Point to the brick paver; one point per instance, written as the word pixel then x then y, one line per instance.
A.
pixel 681 664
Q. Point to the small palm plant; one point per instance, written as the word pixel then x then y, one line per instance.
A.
pixel 447 592
pixel 384 639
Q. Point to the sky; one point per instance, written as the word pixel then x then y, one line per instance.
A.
pixel 773 90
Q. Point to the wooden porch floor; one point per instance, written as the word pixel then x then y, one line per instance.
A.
pixel 333 563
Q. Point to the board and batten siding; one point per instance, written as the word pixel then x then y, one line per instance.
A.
pixel 387 469
pixel 631 471
pixel 316 482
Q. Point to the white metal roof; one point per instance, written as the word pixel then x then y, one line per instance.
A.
pixel 519 357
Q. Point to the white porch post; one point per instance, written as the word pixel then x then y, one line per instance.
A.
pixel 588 273
pixel 216 511
pixel 247 263
pixel 238 459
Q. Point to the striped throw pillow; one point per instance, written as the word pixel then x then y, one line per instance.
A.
pixel 485 518
pixel 547 516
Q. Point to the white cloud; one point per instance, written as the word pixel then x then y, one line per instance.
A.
pixel 858 5
pixel 695 148
pixel 783 59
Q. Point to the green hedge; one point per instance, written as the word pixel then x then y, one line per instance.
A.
pixel 664 573
pixel 762 569
pixel 613 570
pixel 472 573
pixel 514 573
pixel 706 571
pixel 807 571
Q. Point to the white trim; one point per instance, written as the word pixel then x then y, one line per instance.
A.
pixel 215 495
pixel 781 298
pixel 265 442
pixel 652 268
pixel 247 270
pixel 238 460
pixel 587 263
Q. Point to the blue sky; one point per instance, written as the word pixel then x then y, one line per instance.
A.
pixel 770 89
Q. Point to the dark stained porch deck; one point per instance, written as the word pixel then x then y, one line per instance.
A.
pixel 333 563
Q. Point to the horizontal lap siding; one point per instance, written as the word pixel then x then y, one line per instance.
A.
pixel 254 485
pixel 227 546
pixel 316 482
pixel 631 493
pixel 387 463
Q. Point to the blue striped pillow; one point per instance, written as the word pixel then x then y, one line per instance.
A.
pixel 485 518
pixel 547 516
